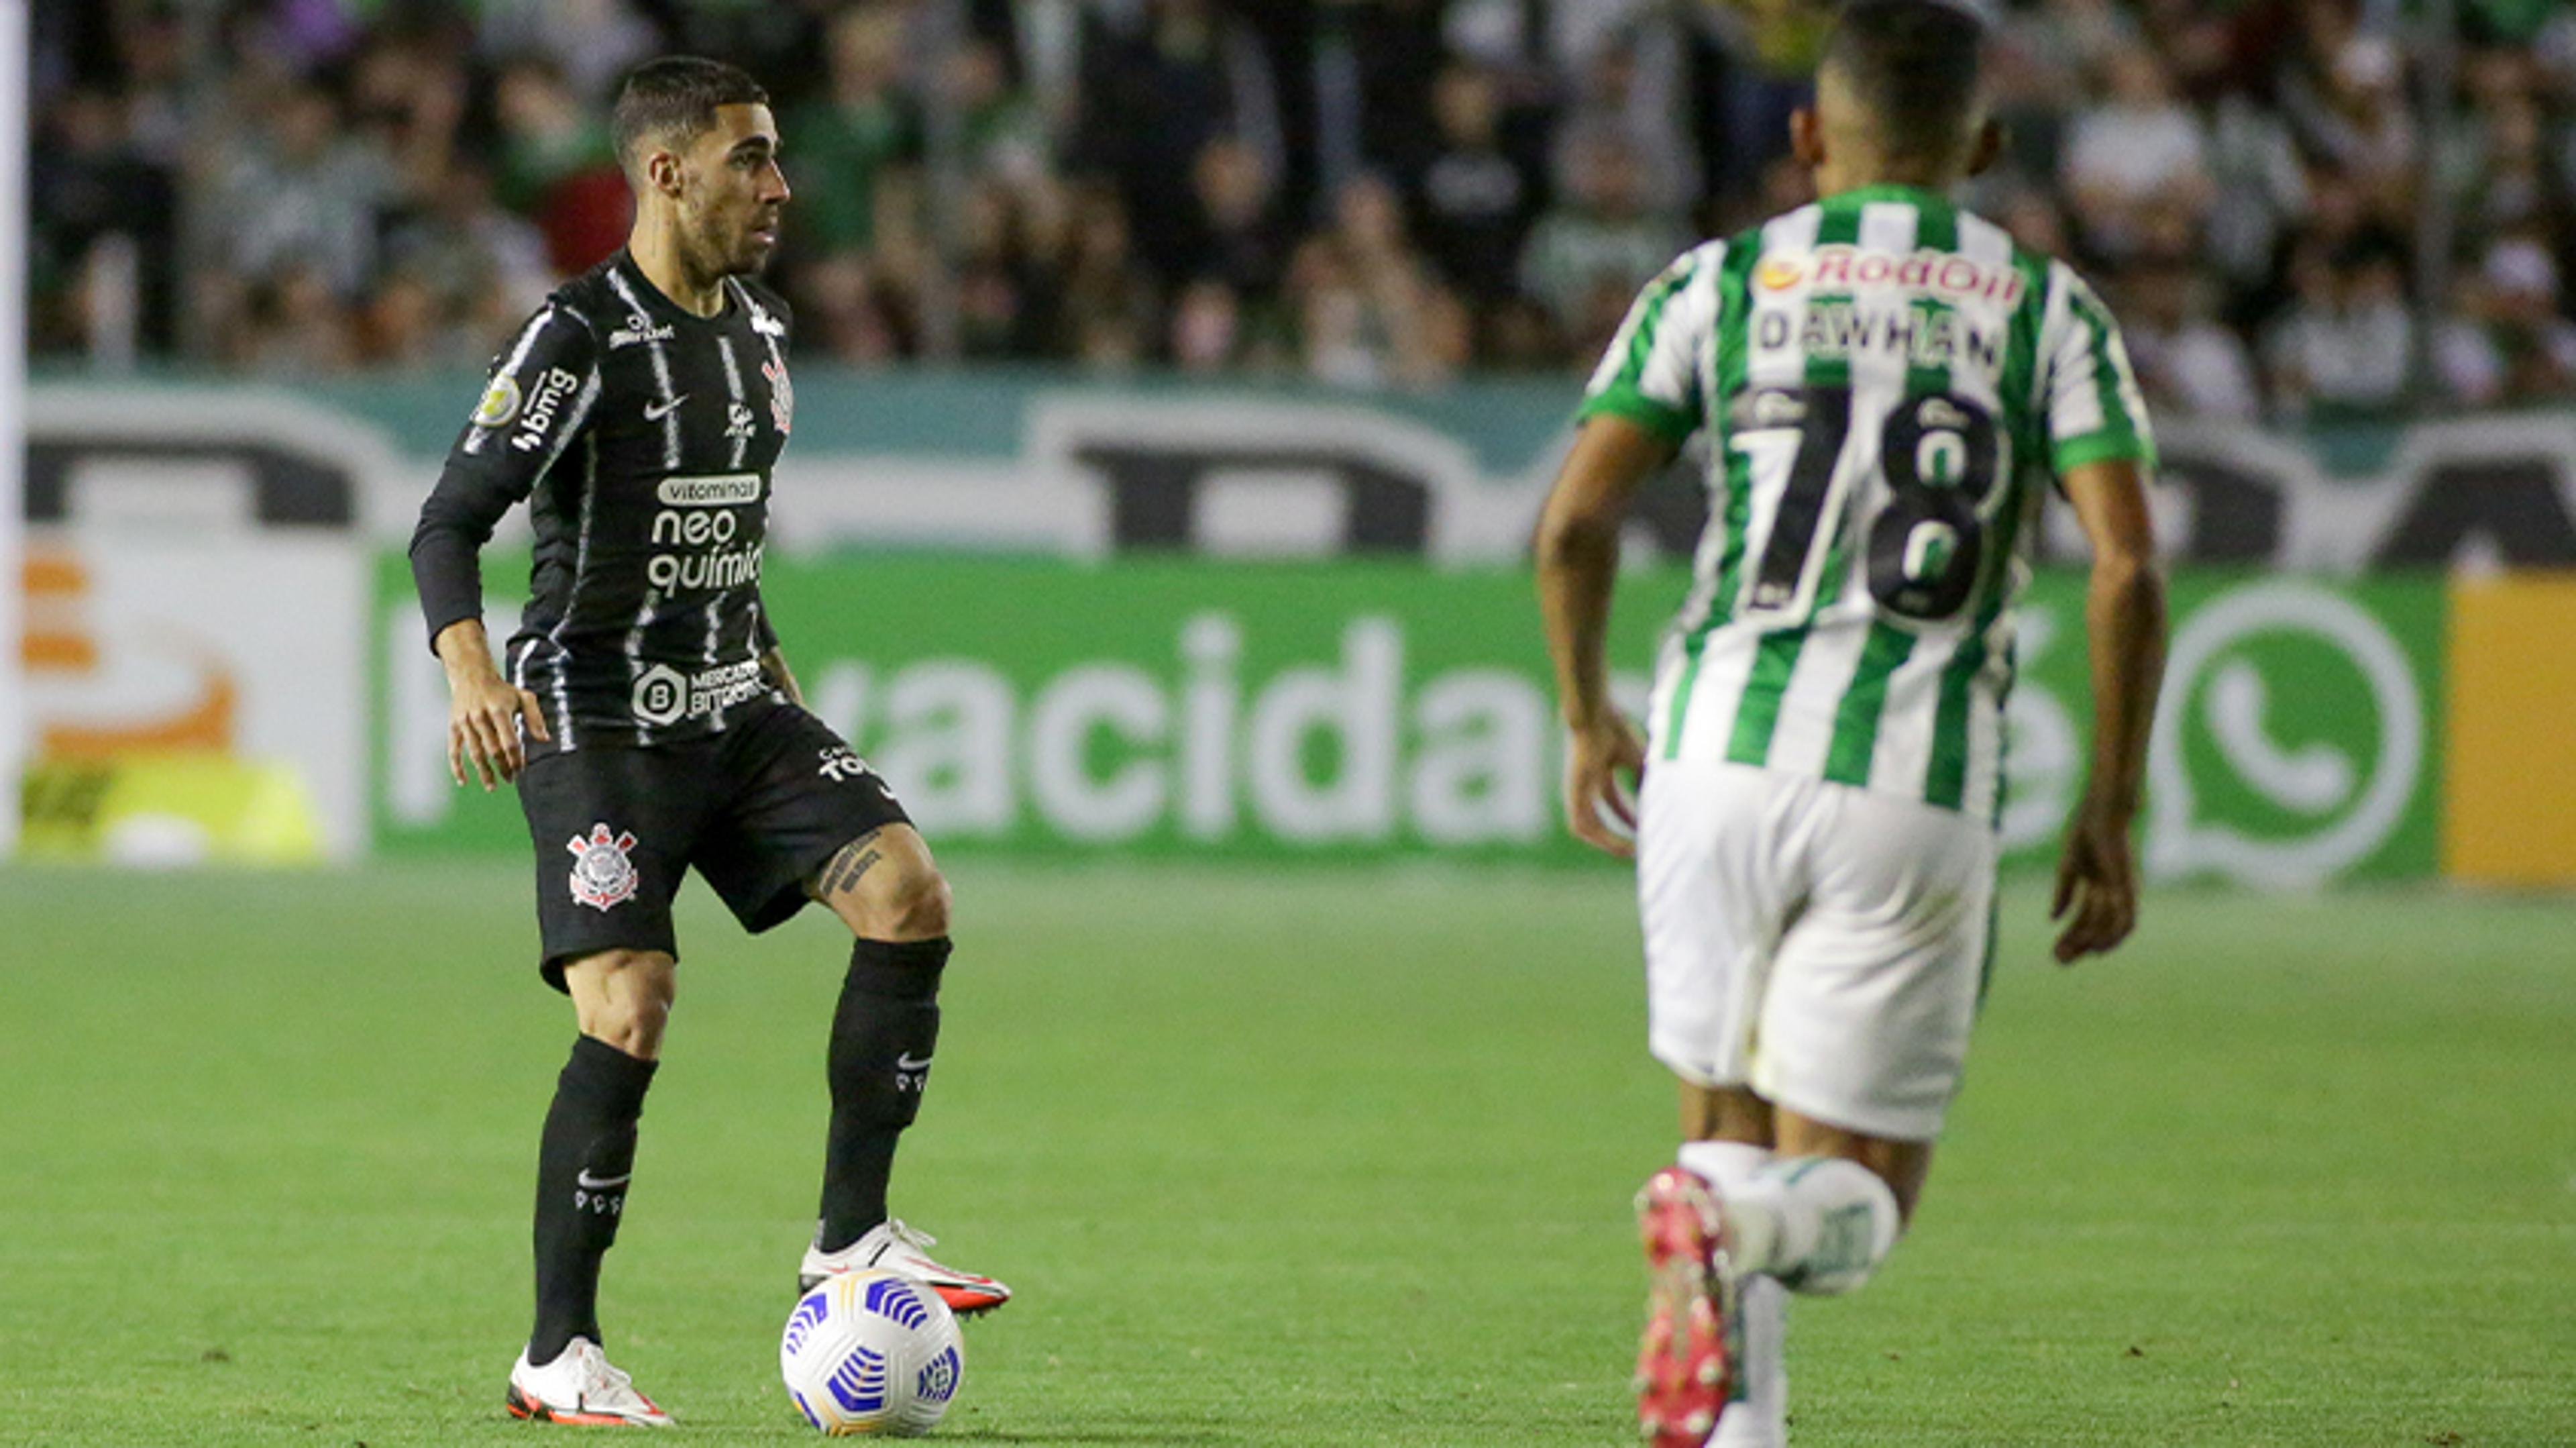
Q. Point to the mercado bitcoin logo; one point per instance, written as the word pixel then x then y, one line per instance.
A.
pixel 2290 741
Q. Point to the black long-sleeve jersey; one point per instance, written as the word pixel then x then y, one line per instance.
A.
pixel 642 437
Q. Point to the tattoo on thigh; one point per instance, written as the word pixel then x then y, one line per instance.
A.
pixel 845 869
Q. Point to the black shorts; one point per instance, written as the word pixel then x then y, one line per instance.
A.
pixel 756 810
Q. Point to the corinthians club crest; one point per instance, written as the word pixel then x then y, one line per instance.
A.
pixel 602 874
pixel 782 394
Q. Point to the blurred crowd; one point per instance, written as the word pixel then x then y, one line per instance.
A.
pixel 1361 192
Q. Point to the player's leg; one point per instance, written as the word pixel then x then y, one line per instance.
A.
pixel 611 832
pixel 621 999
pixel 810 821
pixel 885 1027
pixel 1728 1137
pixel 1864 1035
pixel 1714 895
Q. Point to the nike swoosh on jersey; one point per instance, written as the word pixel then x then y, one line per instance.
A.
pixel 584 1180
pixel 905 1062
pixel 656 411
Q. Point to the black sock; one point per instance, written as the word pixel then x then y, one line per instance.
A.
pixel 582 1167
pixel 882 1035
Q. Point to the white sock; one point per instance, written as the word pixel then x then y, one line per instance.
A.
pixel 1818 1223
pixel 1758 1417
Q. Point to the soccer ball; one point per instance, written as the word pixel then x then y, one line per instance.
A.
pixel 871 1352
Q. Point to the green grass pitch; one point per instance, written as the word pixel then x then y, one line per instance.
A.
pixel 1334 1157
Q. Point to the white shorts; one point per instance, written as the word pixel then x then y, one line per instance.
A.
pixel 1818 943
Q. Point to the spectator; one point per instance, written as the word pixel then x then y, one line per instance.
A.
pixel 1149 196
pixel 557 166
pixel 1473 202
pixel 1155 97
pixel 590 43
pixel 1587 257
pixel 297 325
pixel 2347 341
pixel 1368 314
pixel 2139 153
pixel 304 194
pixel 1207 329
pixel 464 249
pixel 87 182
pixel 1627 94
pixel 2187 362
pixel 1110 306
pixel 1230 232
pixel 856 134
pixel 2506 343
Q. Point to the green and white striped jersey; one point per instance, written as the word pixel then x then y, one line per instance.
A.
pixel 1887 380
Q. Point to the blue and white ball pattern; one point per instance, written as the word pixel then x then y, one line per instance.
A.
pixel 872 1352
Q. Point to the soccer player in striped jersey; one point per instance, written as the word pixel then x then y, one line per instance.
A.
pixel 650 720
pixel 1887 384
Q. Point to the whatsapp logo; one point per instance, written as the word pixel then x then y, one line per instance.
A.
pixel 2288 741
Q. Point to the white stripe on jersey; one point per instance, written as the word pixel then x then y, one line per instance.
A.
pixel 475 437
pixel 2073 411
pixel 661 375
pixel 1985 727
pixel 572 595
pixel 1725 663
pixel 715 645
pixel 1901 759
pixel 1990 247
pixel 572 420
pixel 733 395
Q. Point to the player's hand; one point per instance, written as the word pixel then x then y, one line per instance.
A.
pixel 483 716
pixel 2097 883
pixel 1595 794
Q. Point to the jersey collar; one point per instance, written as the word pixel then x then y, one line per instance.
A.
pixel 662 306
pixel 1890 191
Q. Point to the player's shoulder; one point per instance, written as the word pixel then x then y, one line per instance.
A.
pixel 2052 277
pixel 591 300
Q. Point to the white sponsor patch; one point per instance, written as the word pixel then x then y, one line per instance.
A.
pixel 724 490
pixel 603 874
pixel 639 328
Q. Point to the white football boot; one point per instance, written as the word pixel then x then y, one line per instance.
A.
pixel 580 1387
pixel 898 1248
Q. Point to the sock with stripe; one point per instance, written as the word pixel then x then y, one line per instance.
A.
pixel 1758 1416
pixel 583 1163
pixel 1820 1224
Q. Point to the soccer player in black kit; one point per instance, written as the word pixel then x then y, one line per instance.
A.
pixel 649 718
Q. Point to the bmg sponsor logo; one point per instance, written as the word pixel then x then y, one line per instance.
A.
pixel 539 417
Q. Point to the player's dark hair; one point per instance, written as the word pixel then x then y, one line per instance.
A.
pixel 1915 67
pixel 677 97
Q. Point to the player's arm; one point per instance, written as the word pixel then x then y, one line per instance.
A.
pixel 494 464
pixel 2124 621
pixel 2103 454
pixel 1642 403
pixel 1577 548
